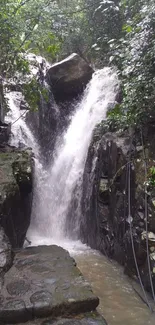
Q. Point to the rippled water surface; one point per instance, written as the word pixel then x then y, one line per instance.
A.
pixel 119 303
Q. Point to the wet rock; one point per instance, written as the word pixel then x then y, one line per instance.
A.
pixel 145 273
pixel 104 190
pixel 42 302
pixel 150 236
pixel 105 202
pixel 17 288
pixel 1 101
pixel 6 255
pixel 23 105
pixel 69 77
pixel 15 194
pixel 13 311
pixel 59 291
pixel 84 321
pixel 92 318
pixel 22 170
pixel 43 119
pixel 5 130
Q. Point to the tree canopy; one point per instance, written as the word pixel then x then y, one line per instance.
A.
pixel 104 32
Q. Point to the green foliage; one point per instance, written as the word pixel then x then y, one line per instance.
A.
pixel 33 92
pixel 151 177
pixel 25 26
pixel 134 55
pixel 105 24
pixel 115 32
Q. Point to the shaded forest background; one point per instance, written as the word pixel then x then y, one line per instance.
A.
pixel 118 33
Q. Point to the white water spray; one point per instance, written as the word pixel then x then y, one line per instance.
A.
pixel 21 134
pixel 54 190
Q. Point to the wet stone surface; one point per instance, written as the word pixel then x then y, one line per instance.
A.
pixel 17 288
pixel 6 255
pixel 86 319
pixel 45 282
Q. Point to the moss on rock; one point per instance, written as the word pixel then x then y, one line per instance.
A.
pixel 15 193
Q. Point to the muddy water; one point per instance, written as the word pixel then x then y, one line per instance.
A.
pixel 119 303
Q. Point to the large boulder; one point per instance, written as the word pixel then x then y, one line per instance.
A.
pixel 15 194
pixel 69 77
pixel 45 282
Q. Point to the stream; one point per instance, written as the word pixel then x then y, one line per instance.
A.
pixel 119 303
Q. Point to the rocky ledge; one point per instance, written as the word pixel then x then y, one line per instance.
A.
pixel 15 193
pixel 87 319
pixel 69 77
pixel 45 282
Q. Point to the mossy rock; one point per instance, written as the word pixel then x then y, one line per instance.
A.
pixel 15 193
pixel 8 184
pixel 22 170
pixel 15 173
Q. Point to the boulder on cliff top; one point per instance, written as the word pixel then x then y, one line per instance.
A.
pixel 69 77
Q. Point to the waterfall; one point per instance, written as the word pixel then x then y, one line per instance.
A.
pixel 55 186
pixel 21 136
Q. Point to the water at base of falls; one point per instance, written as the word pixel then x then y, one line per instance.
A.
pixel 119 302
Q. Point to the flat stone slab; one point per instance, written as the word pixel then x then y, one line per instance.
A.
pixel 87 319
pixel 44 281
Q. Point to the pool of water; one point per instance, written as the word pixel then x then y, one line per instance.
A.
pixel 119 303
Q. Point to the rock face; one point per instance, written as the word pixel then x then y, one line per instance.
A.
pixel 5 131
pixel 1 101
pixel 5 254
pixel 15 193
pixel 69 77
pixel 105 202
pixel 44 281
pixel 5 128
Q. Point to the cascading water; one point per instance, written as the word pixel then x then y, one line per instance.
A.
pixel 21 134
pixel 58 183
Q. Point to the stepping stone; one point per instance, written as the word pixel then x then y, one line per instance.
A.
pixel 44 282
